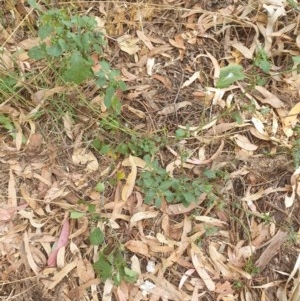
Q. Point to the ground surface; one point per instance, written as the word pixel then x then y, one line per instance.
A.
pixel 238 240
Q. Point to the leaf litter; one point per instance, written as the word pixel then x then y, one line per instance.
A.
pixel 243 244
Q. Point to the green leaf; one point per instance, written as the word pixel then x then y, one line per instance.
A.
pixel 149 197
pixel 130 275
pixel 229 75
pixel 189 197
pixel 103 268
pixel 105 66
pixel 180 133
pixel 76 214
pixel 100 187
pixel 116 104
pixel 97 144
pixel 37 53
pixel 79 69
pixel 165 185
pixel 54 50
pixel 63 45
pixel 210 174
pixel 96 237
pixel 45 31
pixel 263 64
pixel 122 85
pixel 91 208
pixel 296 59
pixel 109 93
pixel 5 121
pixel 34 5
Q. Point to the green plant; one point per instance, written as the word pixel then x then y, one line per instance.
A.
pixel 229 75
pixel 210 230
pixel 296 148
pixel 250 267
pixel 67 43
pixel 182 133
pixel 9 126
pixel 157 185
pixel 261 61
pixel 237 284
pixel 111 264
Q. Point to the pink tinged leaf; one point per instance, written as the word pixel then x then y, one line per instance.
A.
pixel 62 241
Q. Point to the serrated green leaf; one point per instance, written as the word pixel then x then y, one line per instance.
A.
pixel 229 75
pixel 37 53
pixel 54 50
pixel 96 237
pixel 105 66
pixel 45 31
pixel 79 69
pixel 109 93
pixel 103 268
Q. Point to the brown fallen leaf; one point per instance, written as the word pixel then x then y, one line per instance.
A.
pixel 138 247
pixel 34 144
pixel 167 83
pixel 275 244
pixel 268 98
pixel 243 142
pixel 85 271
pixel 130 182
pixel 175 209
pixel 128 44
pixel 172 108
pixel 200 268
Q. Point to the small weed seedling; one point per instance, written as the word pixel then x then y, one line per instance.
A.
pixel 111 263
pixel 158 185
pixel 67 44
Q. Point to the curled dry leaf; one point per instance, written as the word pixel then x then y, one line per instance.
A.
pixel 291 119
pixel 178 42
pixel 138 247
pixel 199 266
pixel 62 241
pixel 8 213
pixel 172 108
pixel 136 112
pixel 275 244
pixel 139 216
pixel 34 143
pixel 12 193
pixel 150 65
pixel 68 124
pixel 167 83
pixel 85 157
pixel 295 178
pixel 33 265
pixel 194 77
pixel 128 44
pixel 130 182
pixel 85 270
pixel 144 39
pixel 243 142
pixel 59 275
pixel 175 209
pixel 269 98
